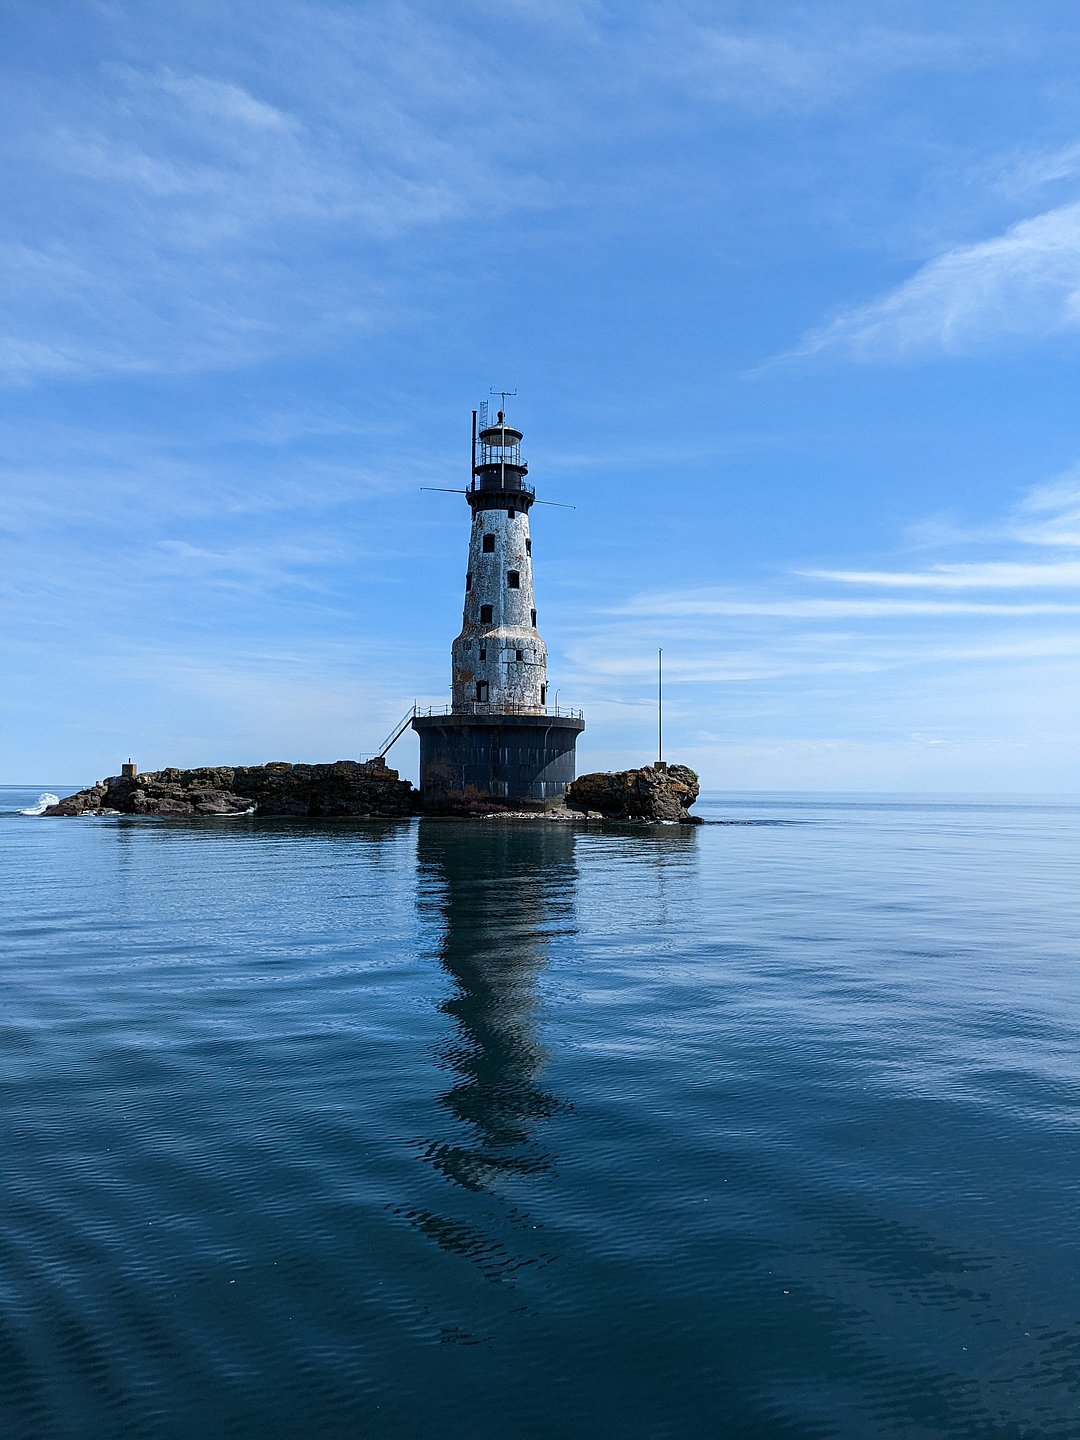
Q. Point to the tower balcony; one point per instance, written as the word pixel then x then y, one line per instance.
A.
pixel 499 488
pixel 499 708
pixel 501 475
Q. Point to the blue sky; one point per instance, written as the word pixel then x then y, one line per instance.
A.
pixel 790 295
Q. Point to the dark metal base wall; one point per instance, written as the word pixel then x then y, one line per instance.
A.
pixel 467 760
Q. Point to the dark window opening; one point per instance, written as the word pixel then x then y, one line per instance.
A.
pixel 468 580
pixel 519 654
pixel 481 689
pixel 485 614
pixel 510 514
pixel 533 621
pixel 528 545
pixel 489 544
pixel 543 694
pixel 513 579
pixel 483 653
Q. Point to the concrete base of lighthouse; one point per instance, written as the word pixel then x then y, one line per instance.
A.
pixel 523 761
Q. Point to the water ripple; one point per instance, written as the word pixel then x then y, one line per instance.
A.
pixel 345 1127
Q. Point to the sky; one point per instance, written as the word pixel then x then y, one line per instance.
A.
pixel 790 297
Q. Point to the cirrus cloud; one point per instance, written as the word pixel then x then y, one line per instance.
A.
pixel 1023 284
pixel 988 575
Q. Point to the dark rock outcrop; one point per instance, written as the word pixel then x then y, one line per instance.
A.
pixel 346 787
pixel 655 792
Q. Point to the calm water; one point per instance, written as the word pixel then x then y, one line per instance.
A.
pixel 342 1128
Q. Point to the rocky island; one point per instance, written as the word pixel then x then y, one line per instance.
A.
pixel 659 792
pixel 650 794
pixel 345 787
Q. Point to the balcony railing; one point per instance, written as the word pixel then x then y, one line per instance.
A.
pixel 519 487
pixel 505 707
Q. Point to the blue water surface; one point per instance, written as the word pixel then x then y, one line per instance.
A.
pixel 503 1129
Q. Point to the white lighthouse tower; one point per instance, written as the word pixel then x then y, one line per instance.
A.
pixel 500 741
pixel 499 660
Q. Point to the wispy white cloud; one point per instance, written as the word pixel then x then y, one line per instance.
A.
pixel 798 64
pixel 988 575
pixel 276 564
pixel 1021 285
pixel 1040 646
pixel 222 101
pixel 727 659
pixel 1050 513
pixel 702 602
pixel 1023 174
pixel 726 664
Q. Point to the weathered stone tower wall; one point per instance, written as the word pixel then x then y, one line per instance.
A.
pixel 500 742
pixel 499 658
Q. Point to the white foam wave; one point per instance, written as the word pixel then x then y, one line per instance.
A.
pixel 44 800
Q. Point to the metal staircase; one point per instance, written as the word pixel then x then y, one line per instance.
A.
pixel 397 732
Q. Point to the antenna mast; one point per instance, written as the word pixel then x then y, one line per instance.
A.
pixel 503 395
pixel 660 704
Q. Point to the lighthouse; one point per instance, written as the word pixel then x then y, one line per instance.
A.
pixel 500 742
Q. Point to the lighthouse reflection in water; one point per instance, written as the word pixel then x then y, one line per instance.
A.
pixel 498 901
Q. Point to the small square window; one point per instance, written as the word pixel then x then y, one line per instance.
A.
pixel 489 544
pixel 528 545
pixel 543 694
pixel 468 580
pixel 510 514
pixel 513 579
pixel 485 614
pixel 481 689
pixel 483 653
pixel 519 654
pixel 532 622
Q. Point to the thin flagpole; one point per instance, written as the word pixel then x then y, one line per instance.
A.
pixel 660 704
